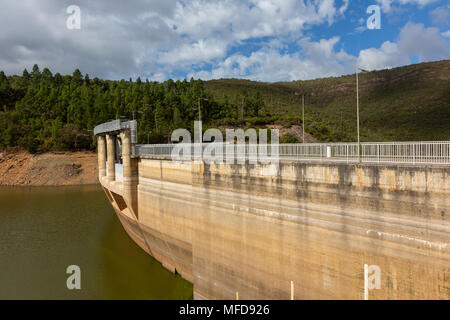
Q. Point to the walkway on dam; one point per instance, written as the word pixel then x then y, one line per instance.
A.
pixel 411 153
pixel 434 153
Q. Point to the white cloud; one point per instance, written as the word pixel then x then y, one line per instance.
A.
pixel 359 29
pixel 387 56
pixel 113 39
pixel 159 38
pixel 321 58
pixel 234 21
pixel 414 41
pixel 446 34
pixel 268 64
pixel 386 5
pixel 150 38
pixel 198 52
pixel 440 15
pixel 344 7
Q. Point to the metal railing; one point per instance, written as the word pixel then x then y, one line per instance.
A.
pixel 369 152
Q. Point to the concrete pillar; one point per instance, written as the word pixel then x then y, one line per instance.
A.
pixel 130 173
pixel 110 146
pixel 101 156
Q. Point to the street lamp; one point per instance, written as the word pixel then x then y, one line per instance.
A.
pixel 303 112
pixel 358 69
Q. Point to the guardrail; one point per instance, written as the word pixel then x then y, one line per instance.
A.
pixel 369 152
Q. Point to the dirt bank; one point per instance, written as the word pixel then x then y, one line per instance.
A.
pixel 296 131
pixel 48 169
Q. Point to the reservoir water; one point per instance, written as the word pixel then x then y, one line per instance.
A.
pixel 45 230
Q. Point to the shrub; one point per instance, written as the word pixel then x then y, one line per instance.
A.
pixel 289 138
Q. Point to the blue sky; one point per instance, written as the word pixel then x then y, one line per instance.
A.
pixel 392 22
pixel 266 40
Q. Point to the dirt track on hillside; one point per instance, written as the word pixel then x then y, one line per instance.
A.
pixel 48 169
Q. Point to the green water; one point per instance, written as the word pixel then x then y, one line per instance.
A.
pixel 45 230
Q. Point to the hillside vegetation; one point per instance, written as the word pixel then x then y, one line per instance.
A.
pixel 40 111
pixel 408 103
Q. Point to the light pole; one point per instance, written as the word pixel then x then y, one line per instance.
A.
pixel 357 109
pixel 303 112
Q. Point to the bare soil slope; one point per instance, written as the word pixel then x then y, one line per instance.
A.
pixel 48 169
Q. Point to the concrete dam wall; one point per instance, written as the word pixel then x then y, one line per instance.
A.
pixel 253 229
pixel 297 230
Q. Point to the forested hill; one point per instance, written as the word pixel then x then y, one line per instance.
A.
pixel 410 103
pixel 42 111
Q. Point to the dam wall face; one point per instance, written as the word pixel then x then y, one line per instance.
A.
pixel 301 230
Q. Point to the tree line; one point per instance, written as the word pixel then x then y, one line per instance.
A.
pixel 41 111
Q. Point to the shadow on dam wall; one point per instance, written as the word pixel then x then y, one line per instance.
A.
pixel 302 230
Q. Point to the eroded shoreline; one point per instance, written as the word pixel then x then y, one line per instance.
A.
pixel 48 169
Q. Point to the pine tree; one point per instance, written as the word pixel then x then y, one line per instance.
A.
pixel 53 112
pixel 77 78
pixel 36 73
pixel 24 82
pixel 5 89
pixel 46 74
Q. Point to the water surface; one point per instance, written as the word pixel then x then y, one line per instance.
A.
pixel 44 230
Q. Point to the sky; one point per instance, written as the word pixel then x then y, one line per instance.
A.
pixel 264 40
